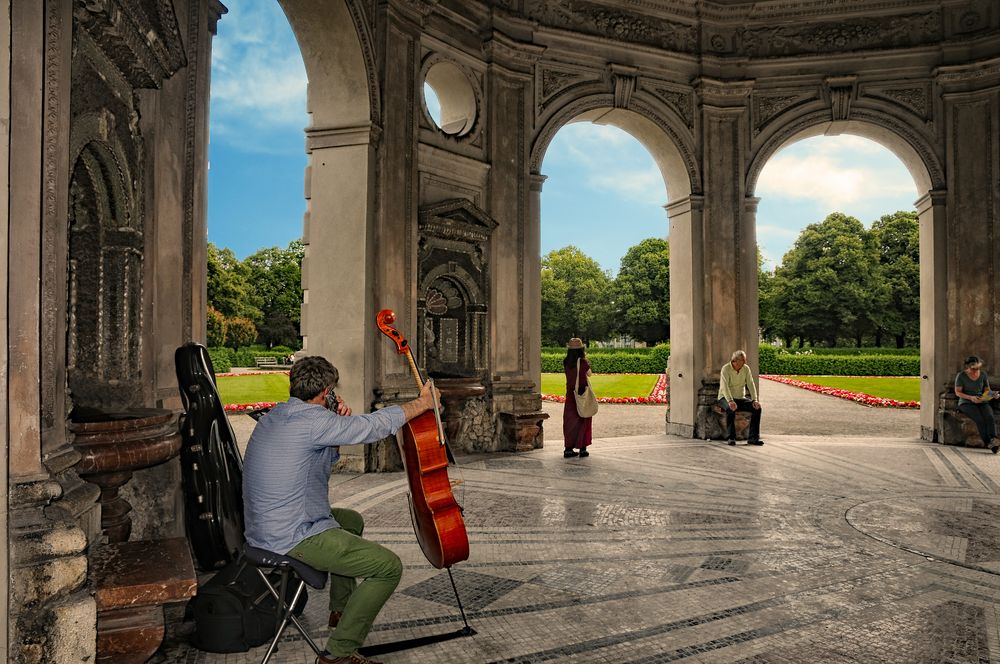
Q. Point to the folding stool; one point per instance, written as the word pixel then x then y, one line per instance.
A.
pixel 289 570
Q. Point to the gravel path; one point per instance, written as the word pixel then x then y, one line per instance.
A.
pixel 787 410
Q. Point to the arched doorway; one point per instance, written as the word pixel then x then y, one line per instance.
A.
pixel 919 160
pixel 654 129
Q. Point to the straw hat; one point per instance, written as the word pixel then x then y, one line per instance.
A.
pixel 575 342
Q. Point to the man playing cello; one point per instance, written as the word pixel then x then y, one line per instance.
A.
pixel 286 475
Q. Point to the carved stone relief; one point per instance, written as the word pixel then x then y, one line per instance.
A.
pixel 841 36
pixel 769 105
pixel 620 24
pixel 453 287
pixel 914 97
pixel 681 101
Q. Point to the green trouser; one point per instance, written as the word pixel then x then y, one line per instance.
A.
pixel 346 556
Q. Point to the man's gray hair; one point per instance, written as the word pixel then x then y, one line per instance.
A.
pixel 738 354
pixel 310 376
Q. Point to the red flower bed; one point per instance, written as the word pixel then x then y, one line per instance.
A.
pixel 241 407
pixel 658 395
pixel 866 399
pixel 249 373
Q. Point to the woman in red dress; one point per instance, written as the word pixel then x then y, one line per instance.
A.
pixel 577 431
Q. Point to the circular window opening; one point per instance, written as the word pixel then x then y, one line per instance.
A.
pixel 449 98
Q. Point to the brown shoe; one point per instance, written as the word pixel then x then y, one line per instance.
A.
pixel 353 658
pixel 335 617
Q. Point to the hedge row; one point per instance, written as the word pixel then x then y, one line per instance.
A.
pixel 605 351
pixel 222 359
pixel 244 357
pixel 621 360
pixel 774 362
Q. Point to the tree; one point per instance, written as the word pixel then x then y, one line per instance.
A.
pixel 576 297
pixel 240 332
pixel 229 287
pixel 276 278
pixel 898 240
pixel 642 292
pixel 216 323
pixel 827 285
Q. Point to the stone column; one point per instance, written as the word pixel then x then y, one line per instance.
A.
pixel 5 93
pixel 969 257
pixel 337 314
pixel 533 286
pixel 51 615
pixel 686 305
pixel 727 252
pixel 935 374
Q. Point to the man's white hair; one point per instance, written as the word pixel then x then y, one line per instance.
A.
pixel 738 354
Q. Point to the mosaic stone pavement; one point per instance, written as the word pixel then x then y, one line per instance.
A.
pixel 660 549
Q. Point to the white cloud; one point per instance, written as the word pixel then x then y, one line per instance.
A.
pixel 828 178
pixel 258 78
pixel 645 186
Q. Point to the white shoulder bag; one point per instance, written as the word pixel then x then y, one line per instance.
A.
pixel 586 403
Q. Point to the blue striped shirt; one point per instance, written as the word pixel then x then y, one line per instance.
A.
pixel 286 469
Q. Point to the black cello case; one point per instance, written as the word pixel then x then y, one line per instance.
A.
pixel 211 465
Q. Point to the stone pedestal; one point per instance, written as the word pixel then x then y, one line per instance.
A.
pixel 455 392
pixel 114 444
pixel 133 581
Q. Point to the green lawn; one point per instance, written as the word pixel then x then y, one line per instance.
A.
pixel 905 388
pixel 274 387
pixel 605 385
pixel 254 388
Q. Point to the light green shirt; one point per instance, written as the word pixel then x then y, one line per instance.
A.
pixel 734 385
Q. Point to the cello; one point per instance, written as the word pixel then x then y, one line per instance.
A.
pixel 437 517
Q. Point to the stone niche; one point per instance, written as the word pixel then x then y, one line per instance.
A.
pixel 453 312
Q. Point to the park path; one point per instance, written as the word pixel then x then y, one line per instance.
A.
pixel 787 411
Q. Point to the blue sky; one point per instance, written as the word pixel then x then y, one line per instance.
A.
pixel 603 192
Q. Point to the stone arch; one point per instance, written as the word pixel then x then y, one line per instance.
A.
pixel 672 149
pixel 894 133
pixel 335 39
pixel 920 157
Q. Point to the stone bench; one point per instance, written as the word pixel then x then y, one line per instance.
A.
pixel 742 424
pixel 133 581
pixel 957 428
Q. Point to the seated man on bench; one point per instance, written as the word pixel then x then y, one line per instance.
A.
pixel 735 381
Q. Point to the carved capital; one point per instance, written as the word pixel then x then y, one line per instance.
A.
pixel 723 94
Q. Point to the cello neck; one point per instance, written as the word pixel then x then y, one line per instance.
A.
pixel 413 368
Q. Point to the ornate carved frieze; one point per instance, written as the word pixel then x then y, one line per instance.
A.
pixel 616 23
pixel 141 37
pixel 839 37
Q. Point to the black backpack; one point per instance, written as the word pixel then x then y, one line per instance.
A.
pixel 234 611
